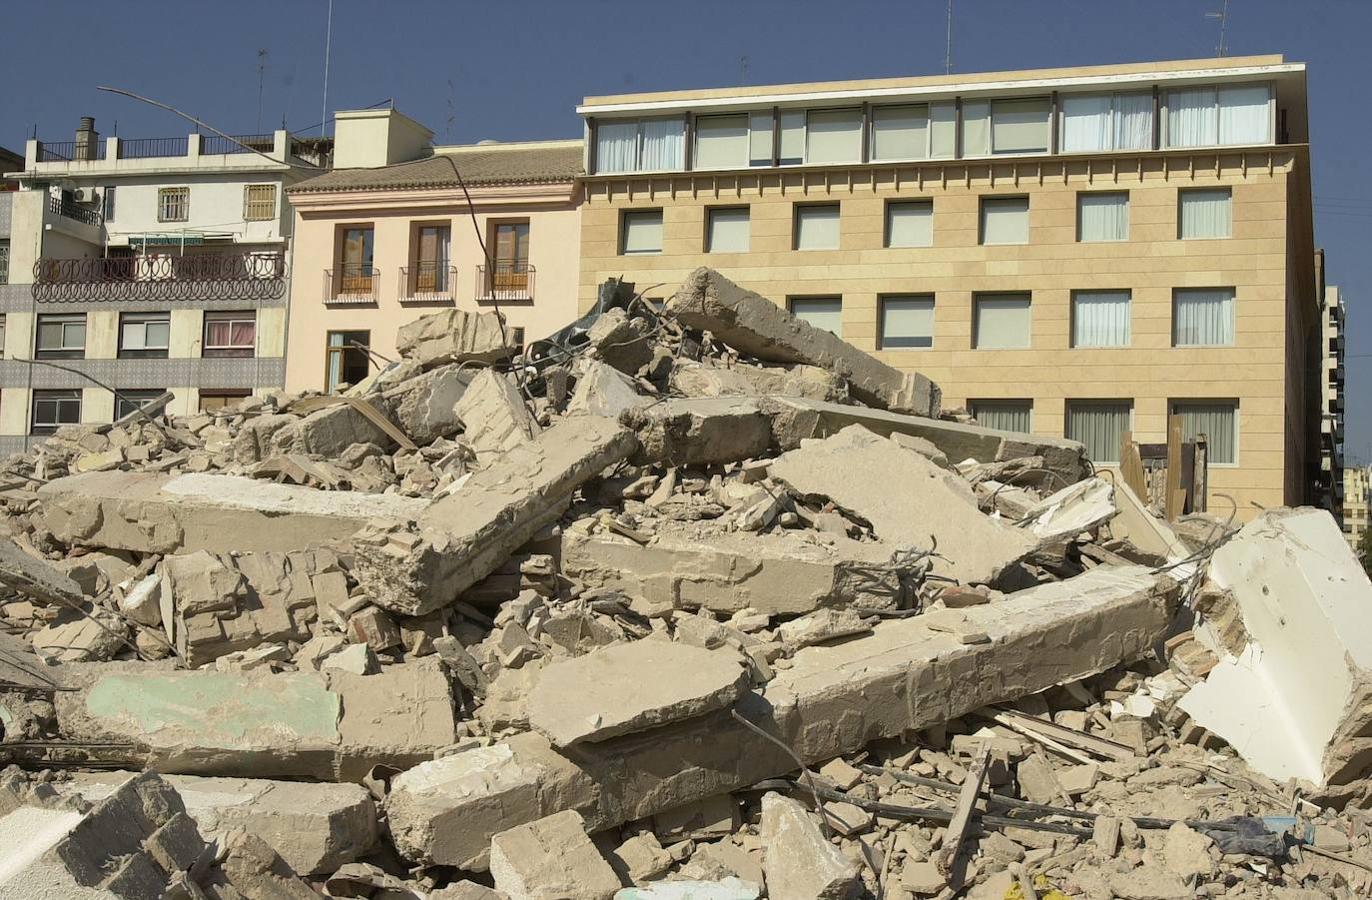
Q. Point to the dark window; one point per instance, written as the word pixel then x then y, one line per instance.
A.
pixel 61 337
pixel 53 409
pixel 126 401
pixel 347 361
pixel 215 400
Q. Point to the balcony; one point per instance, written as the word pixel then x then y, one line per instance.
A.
pixel 352 286
pixel 429 283
pixel 67 209
pixel 253 276
pixel 507 282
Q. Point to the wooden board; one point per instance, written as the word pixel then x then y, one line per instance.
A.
pixel 1170 496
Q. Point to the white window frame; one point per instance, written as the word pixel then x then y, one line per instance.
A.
pixel 65 321
pixel 231 319
pixel 143 320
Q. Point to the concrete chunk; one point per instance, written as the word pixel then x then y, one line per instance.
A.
pixel 36 578
pixel 834 700
pixel 453 336
pixel 631 687
pixel 551 859
pixel 466 535
pixel 752 324
pixel 151 513
pixel 743 380
pixel 494 417
pixel 800 863
pixel 695 431
pixel 602 390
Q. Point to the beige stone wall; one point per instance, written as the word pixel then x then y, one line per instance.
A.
pixel 1151 263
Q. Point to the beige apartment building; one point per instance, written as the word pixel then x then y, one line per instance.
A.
pixel 1357 488
pixel 389 236
pixel 1076 252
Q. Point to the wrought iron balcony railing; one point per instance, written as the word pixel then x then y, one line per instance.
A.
pixel 352 284
pixel 213 144
pixel 505 282
pixel 87 215
pixel 257 275
pixel 428 282
pixel 67 151
pixel 149 148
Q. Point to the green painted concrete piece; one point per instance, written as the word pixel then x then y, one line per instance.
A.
pixel 218 709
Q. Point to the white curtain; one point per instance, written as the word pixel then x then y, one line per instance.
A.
pixel 976 128
pixel 1099 426
pixel 728 231
pixel 1086 123
pixel 664 145
pixel 1206 213
pixel 824 313
pixel 907 322
pixel 1244 115
pixel 817 227
pixel 1100 319
pixel 1133 121
pixel 833 136
pixel 1002 322
pixel 1103 216
pixel 1203 317
pixel 721 142
pixel 942 129
pixel 1191 120
pixel 760 139
pixel 1005 220
pixel 1004 415
pixel 1218 421
pixel 1020 126
pixel 793 137
pixel 616 146
pixel 642 232
pixel 900 132
pixel 910 223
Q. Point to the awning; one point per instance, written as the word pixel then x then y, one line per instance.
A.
pixel 163 240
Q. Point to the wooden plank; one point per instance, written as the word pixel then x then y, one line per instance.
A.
pixel 1098 746
pixel 962 813
pixel 1170 493
pixel 1131 466
pixel 1200 484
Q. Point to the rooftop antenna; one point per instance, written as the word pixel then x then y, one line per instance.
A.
pixel 328 44
pixel 1223 16
pixel 743 69
pixel 948 43
pixel 261 70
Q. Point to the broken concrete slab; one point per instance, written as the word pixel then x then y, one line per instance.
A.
pixel 36 578
pixel 630 687
pixel 904 676
pixel 1294 703
pixel 694 379
pixel 602 390
pixel 494 417
pixel 799 861
pixel 728 888
pixel 1143 529
pixel 700 430
pixel 551 859
pixel 454 336
pixel 82 634
pixel 421 565
pixel 781 572
pixel 794 419
pixel 1084 506
pixel 621 341
pixel 909 501
pixel 752 324
pixel 153 513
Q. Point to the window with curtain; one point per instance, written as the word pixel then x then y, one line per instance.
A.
pixel 229 334
pixel 1099 425
pixel 641 232
pixel 1003 415
pixel 910 223
pixel 1100 319
pixel 825 313
pixel 1098 122
pixel 1020 126
pixel 1134 121
pixel 1218 420
pixel 900 132
pixel 817 227
pixel 1245 115
pixel 760 139
pixel 833 136
pixel 1205 213
pixel 1191 119
pixel 727 230
pixel 1203 317
pixel 1232 115
pixel 722 142
pixel 616 146
pixel 1103 216
pixel 1001 322
pixel 640 145
pixel 907 321
pixel 1005 220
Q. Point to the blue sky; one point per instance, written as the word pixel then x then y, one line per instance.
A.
pixel 516 70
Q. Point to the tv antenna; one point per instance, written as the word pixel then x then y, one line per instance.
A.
pixel 948 43
pixel 1223 17
pixel 261 71
pixel 328 44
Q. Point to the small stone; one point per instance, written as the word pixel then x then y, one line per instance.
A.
pixel 841 774
pixel 922 878
pixel 355 658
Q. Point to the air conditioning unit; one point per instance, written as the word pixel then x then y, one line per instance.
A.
pixel 85 195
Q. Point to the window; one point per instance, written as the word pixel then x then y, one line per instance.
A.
pixel 61 337
pixel 212 401
pixel 430 267
pixel 1003 415
pixel 1227 116
pixel 346 359
pixel 722 142
pixel 641 145
pixel 1096 122
pixel 825 313
pixel 53 409
pixel 1100 425
pixel 907 322
pixel 1005 126
pixel 173 204
pixel 127 402
pixel 943 129
pixel 900 132
pixel 641 232
pixel 355 260
pixel 1103 216
pixel 727 230
pixel 1005 220
pixel 511 274
pixel 792 137
pixel 2 335
pixel 1205 213
pixel 1203 317
pixel 833 136
pixel 145 335
pixel 1001 323
pixel 107 203
pixel 910 223
pixel 259 202
pixel 4 262
pixel 1218 420
pixel 817 227
pixel 229 334
pixel 760 128
pixel 1100 319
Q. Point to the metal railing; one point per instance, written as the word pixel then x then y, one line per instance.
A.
pixel 213 144
pixel 505 281
pixel 154 276
pixel 428 282
pixel 352 284
pixel 87 215
pixel 147 148
pixel 65 151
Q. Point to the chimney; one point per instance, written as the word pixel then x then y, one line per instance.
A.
pixel 86 139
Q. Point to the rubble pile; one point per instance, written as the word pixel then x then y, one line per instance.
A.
pixel 687 601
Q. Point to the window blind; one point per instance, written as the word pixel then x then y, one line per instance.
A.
pixel 1003 415
pixel 1203 317
pixel 1206 213
pixel 910 223
pixel 1103 216
pixel 1218 421
pixel 1002 322
pixel 1100 319
pixel 1005 220
pixel 793 137
pixel 833 136
pixel 976 128
pixel 728 231
pixel 900 132
pixel 825 313
pixel 817 227
pixel 907 322
pixel 760 139
pixel 722 142
pixel 1099 426
pixel 1020 126
pixel 942 129
pixel 642 232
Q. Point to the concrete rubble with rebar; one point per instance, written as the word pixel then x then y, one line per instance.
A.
pixel 691 600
